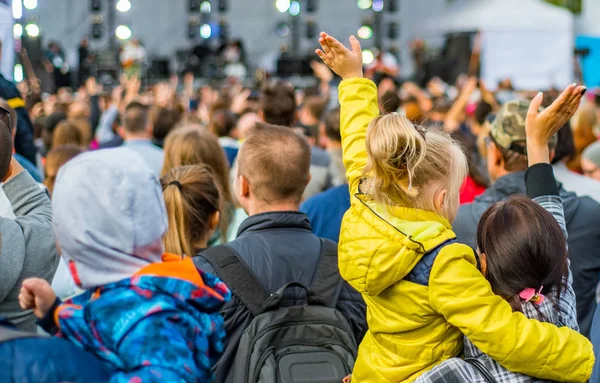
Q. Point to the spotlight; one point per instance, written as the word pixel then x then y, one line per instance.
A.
pixel 123 32
pixel 295 8
pixel 282 5
pixel 224 30
pixel 194 5
pixel 32 30
pixel 17 31
pixel 311 6
pixel 367 57
pixel 123 5
pixel 18 73
pixel 17 9
pixel 30 4
pixel 193 27
pixel 205 7
pixel 96 5
pixel 282 29
pixel 223 6
pixel 97 29
pixel 393 30
pixel 378 5
pixel 205 31
pixel 364 4
pixel 365 32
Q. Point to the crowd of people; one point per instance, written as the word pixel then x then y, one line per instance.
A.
pixel 361 230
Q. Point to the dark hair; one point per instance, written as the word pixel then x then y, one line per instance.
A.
pixel 565 147
pixel 135 118
pixel 222 123
pixel 332 125
pixel 390 102
pixel 482 110
pixel 524 247
pixel 275 175
pixel 164 120
pixel 6 149
pixel 278 104
pixel 468 144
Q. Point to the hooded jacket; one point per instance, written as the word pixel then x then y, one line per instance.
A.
pixel 582 215
pixel 412 326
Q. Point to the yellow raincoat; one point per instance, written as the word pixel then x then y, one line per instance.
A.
pixel 413 327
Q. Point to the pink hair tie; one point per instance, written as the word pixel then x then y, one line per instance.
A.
pixel 530 295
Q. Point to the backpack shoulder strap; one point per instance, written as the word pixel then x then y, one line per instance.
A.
pixel 327 282
pixel 237 276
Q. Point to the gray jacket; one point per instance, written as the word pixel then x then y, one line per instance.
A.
pixel 27 246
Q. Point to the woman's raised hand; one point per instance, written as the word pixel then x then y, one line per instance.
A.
pixel 343 61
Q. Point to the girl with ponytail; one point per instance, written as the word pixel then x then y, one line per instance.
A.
pixel 423 289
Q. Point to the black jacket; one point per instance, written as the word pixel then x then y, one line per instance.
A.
pixel 279 248
pixel 583 225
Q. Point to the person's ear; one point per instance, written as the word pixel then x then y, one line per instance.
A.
pixel 244 186
pixel 552 154
pixel 483 263
pixel 213 221
pixel 122 132
pixel 498 159
pixel 439 200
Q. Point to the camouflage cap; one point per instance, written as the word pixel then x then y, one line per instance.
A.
pixel 508 128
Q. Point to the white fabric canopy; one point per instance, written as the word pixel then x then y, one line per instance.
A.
pixel 529 41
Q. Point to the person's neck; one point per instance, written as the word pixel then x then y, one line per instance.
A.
pixel 272 208
pixel 137 137
pixel 331 146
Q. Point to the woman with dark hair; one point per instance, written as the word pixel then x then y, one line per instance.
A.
pixel 522 250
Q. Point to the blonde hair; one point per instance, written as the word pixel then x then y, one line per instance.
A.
pixel 407 165
pixel 194 145
pixel 192 196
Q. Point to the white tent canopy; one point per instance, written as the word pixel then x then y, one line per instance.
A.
pixel 529 41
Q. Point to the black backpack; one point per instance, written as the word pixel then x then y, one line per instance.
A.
pixel 309 343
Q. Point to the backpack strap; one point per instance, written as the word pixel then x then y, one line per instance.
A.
pixel 237 276
pixel 327 282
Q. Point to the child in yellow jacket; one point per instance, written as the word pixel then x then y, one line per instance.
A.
pixel 423 290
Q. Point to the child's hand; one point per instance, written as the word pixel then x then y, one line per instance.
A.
pixel 540 127
pixel 37 294
pixel 346 63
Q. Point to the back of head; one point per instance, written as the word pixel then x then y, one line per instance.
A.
pixel 408 165
pixel 55 160
pixel 276 162
pixel 67 133
pixel 164 120
pixel 6 148
pixel 222 123
pixel 520 241
pixel 390 102
pixel 508 134
pixel 332 126
pixel 278 104
pixel 135 118
pixel 315 105
pixel 193 197
pixel 109 216
pixel 592 154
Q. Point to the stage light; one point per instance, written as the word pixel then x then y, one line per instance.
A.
pixel 205 7
pixel 224 30
pixel 367 57
pixel 311 28
pixel 205 31
pixel 223 6
pixel 96 5
pixel 282 5
pixel 365 32
pixel 17 31
pixel 282 29
pixel 17 9
pixel 194 5
pixel 30 4
pixel 364 4
pixel 378 5
pixel 123 5
pixel 311 6
pixel 123 32
pixel 295 8
pixel 18 73
pixel 32 30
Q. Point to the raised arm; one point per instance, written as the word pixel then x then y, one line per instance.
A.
pixel 358 103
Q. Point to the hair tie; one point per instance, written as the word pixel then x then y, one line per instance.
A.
pixel 530 295
pixel 176 183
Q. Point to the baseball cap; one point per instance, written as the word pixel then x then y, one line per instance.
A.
pixel 508 128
